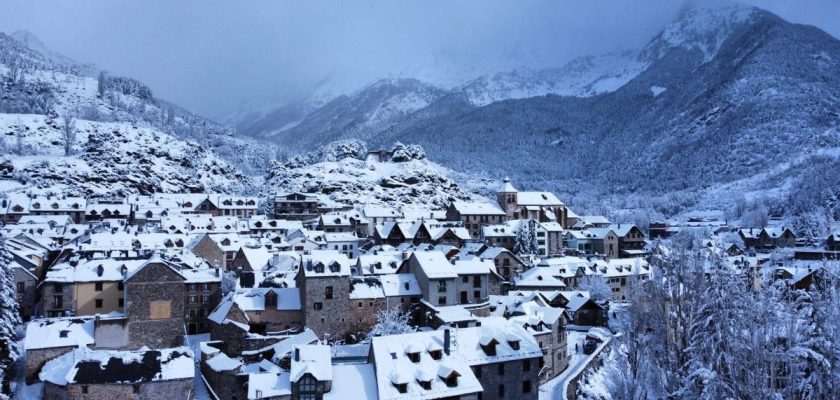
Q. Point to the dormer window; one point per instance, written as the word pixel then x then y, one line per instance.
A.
pixel 414 357
pixel 319 267
pixel 335 267
pixel 54 206
pixel 489 346
pixel 63 333
pixel 436 354
pixel 226 242
pixel 401 387
pixel 425 384
pixel 514 344
pixel 270 299
pixel 100 270
pixel 179 243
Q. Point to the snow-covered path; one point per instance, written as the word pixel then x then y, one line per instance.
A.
pixel 555 389
pixel 200 390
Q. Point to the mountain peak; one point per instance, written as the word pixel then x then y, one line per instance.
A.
pixel 702 27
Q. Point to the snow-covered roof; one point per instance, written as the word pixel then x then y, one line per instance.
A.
pixel 325 263
pixel 434 264
pixel 538 199
pixel 352 381
pixel 400 285
pixel 472 265
pixel 84 366
pixel 268 385
pixel 94 270
pixel 59 332
pixel 314 359
pixel 393 366
pixel 477 208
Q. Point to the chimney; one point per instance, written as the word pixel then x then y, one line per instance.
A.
pixel 297 353
pixel 446 341
pixel 217 272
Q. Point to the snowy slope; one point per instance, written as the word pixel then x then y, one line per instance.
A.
pixel 582 77
pixel 339 173
pixel 113 158
pixel 48 81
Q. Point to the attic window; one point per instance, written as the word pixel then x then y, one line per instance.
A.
pixel 319 267
pixel 63 333
pixel 226 242
pixel 436 354
pixel 514 344
pixel 401 387
pixel 100 270
pixel 489 347
pixel 54 206
pixel 425 384
pixel 452 379
pixel 406 285
pixel 335 266
pixel 414 357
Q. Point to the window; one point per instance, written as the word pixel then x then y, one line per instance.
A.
pixel 425 384
pixel 526 386
pixel 21 287
pixel 465 279
pixel 192 299
pixel 308 387
pixel 121 302
pixel 401 387
pixel 205 298
pixel 192 287
pixel 441 301
pixel 97 286
pixel 206 287
pixel 98 303
pixel 84 389
pixel 501 368
pixel 526 365
pixel 318 306
pixel 58 301
pixel 441 286
pixel 477 371
pixel 136 388
pixel 328 294
pixel 121 286
pixel 502 391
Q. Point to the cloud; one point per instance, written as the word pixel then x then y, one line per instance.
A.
pixel 214 56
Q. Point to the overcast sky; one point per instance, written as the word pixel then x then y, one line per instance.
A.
pixel 215 56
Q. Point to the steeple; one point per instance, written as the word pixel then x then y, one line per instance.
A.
pixel 507 187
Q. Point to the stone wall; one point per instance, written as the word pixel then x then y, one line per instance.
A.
pixel 170 389
pixel 330 318
pixel 54 392
pixel 511 378
pixel 226 384
pixel 35 360
pixel 155 307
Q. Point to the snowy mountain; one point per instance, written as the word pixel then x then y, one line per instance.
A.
pixel 342 173
pixel 725 103
pixel 154 145
pixel 372 109
pixel 582 77
pixel 36 82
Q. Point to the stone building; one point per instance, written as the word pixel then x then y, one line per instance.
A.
pixel 474 215
pixel 155 295
pixel 145 374
pixel 323 279
pixel 539 206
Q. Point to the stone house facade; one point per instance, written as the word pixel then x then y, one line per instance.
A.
pixel 155 306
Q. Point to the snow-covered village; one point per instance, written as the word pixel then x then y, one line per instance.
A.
pixel 427 200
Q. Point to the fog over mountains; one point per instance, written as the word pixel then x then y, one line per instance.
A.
pixel 725 102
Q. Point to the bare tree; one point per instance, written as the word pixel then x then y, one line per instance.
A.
pixel 68 133
pixel 102 84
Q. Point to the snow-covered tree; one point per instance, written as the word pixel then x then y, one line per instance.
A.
pixel 229 282
pixel 597 286
pixel 9 317
pixel 526 238
pixel 390 322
